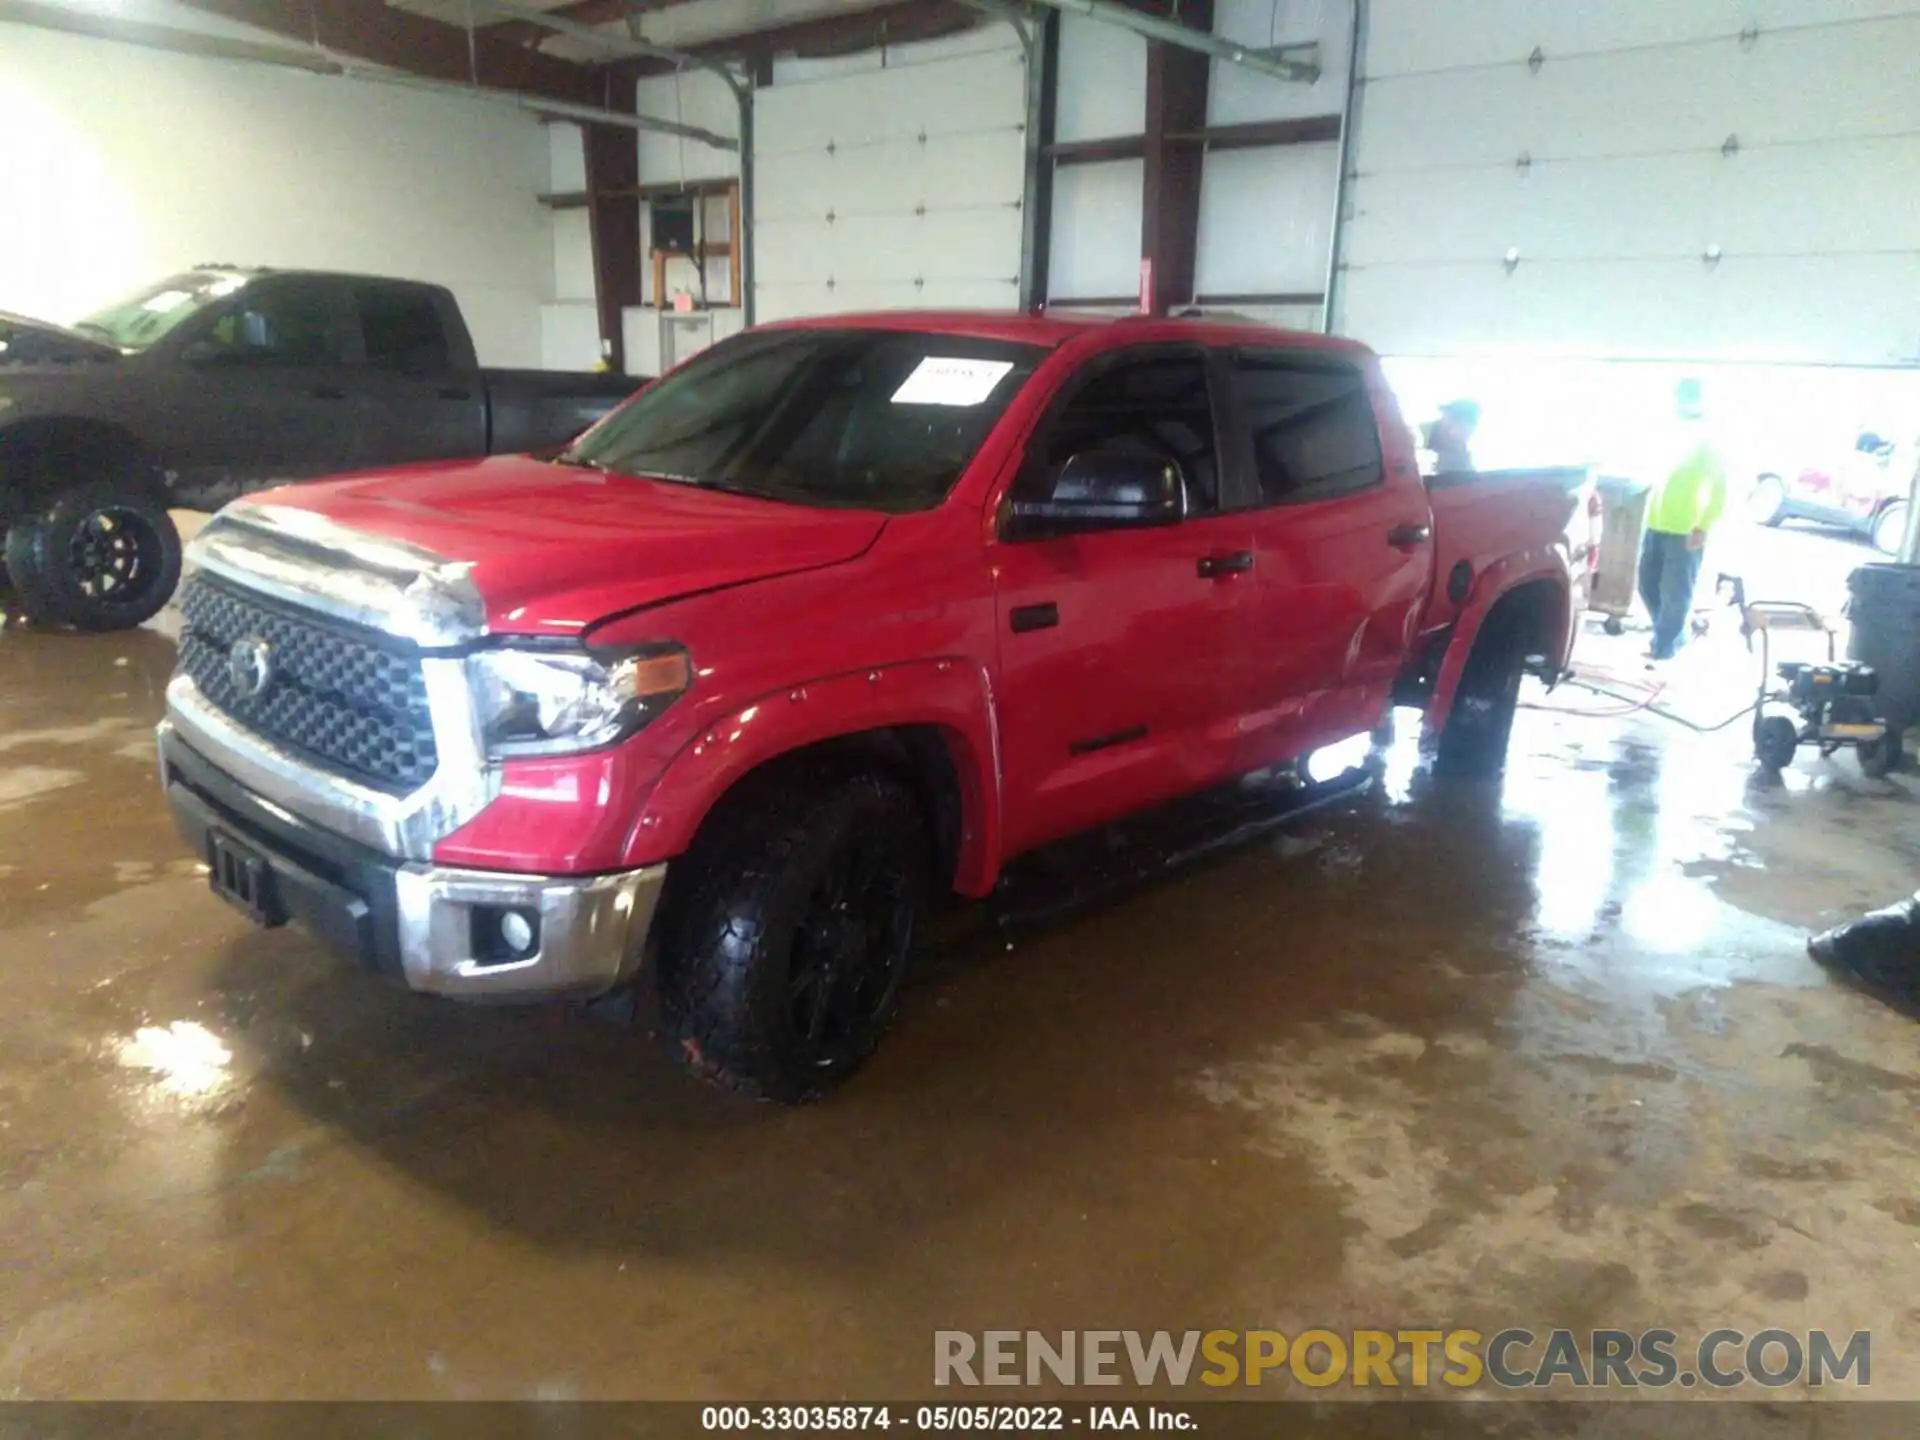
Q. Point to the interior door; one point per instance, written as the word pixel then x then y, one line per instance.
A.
pixel 1119 648
pixel 417 400
pixel 259 388
pixel 1343 551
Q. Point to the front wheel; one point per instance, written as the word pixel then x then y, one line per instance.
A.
pixel 1890 528
pixel 785 953
pixel 99 557
pixel 1767 504
pixel 1775 738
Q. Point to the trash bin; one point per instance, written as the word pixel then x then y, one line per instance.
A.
pixel 1885 610
pixel 1623 516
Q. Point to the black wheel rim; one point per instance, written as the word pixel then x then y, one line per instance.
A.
pixel 114 556
pixel 853 932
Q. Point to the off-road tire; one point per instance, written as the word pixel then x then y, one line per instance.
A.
pixel 99 556
pixel 753 917
pixel 1473 742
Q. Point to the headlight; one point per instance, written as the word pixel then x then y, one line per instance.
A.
pixel 538 702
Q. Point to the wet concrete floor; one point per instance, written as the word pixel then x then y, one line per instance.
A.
pixel 1546 1053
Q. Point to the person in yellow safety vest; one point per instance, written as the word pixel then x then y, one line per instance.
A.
pixel 1683 507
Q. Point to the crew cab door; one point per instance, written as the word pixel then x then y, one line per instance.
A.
pixel 419 394
pixel 1119 672
pixel 257 389
pixel 1343 542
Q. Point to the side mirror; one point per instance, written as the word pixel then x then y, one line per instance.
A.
pixel 1104 490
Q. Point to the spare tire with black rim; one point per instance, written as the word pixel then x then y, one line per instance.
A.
pixel 99 556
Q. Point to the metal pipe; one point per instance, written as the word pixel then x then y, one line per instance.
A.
pixel 629 47
pixel 538 105
pixel 745 238
pixel 1349 118
pixel 314 60
pixel 1278 62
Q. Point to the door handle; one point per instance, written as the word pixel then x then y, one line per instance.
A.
pixel 454 392
pixel 1236 562
pixel 329 392
pixel 1024 618
pixel 1405 537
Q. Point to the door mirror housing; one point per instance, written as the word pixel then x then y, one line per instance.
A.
pixel 1103 490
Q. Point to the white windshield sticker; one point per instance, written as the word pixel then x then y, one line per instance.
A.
pixel 948 380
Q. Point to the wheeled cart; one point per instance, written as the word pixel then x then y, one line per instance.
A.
pixel 1623 519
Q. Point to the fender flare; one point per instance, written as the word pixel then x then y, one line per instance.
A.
pixel 953 696
pixel 1490 587
pixel 18 497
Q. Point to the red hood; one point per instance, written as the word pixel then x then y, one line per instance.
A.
pixel 554 549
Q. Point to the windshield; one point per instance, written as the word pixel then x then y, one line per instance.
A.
pixel 136 323
pixel 871 419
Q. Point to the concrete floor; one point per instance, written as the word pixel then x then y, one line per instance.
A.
pixel 1545 1053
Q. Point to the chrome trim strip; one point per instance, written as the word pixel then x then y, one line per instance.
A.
pixel 403 826
pixel 593 930
pixel 306 560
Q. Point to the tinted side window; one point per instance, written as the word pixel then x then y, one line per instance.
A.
pixel 1314 433
pixel 1157 406
pixel 402 330
pixel 285 322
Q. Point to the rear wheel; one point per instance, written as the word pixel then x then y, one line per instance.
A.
pixel 1767 504
pixel 1474 741
pixel 100 556
pixel 1890 528
pixel 785 953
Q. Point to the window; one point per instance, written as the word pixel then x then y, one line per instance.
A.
pixel 146 318
pixel 285 322
pixel 1157 406
pixel 1314 433
pixel 402 329
pixel 871 419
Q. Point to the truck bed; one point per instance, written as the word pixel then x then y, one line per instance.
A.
pixel 1481 516
pixel 540 409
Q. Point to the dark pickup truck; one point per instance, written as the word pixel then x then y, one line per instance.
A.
pixel 220 381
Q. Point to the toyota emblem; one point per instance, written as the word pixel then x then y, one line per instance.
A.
pixel 250 667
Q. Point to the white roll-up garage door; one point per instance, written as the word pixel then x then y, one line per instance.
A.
pixel 893 186
pixel 1686 179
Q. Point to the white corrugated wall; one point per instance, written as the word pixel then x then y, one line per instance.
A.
pixel 1729 180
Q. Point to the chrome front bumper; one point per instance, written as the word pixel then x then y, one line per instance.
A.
pixel 593 930
pixel 415 921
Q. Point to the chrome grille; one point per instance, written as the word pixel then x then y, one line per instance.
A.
pixel 345 698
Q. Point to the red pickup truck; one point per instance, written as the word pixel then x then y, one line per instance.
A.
pixel 835 618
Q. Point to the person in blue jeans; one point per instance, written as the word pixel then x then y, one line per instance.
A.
pixel 1683 508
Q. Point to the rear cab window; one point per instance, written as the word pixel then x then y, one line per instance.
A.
pixel 1311 426
pixel 401 328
